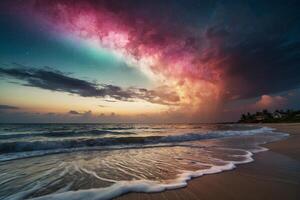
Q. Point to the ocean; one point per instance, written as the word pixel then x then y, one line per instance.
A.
pixel 103 161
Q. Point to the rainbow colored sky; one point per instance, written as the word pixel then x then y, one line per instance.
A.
pixel 147 61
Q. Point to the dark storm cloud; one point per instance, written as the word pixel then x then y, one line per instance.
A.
pixel 8 107
pixel 256 46
pixel 57 81
pixel 262 66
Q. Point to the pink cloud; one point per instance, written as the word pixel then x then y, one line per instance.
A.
pixel 271 102
pixel 175 56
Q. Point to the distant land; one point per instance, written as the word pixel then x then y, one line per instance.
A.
pixel 278 116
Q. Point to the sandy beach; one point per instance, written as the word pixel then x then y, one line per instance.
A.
pixel 275 174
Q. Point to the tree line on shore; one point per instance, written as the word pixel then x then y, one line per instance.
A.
pixel 266 116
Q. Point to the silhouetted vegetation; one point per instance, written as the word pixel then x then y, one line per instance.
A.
pixel 271 117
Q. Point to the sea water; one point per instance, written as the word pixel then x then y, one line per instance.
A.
pixel 103 161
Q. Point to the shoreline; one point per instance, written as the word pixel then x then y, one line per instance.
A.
pixel 274 174
pixel 289 146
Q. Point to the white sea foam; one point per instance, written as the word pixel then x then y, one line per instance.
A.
pixel 123 187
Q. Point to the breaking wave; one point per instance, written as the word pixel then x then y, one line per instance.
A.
pixel 22 146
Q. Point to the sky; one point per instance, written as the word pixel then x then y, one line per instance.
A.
pixel 151 61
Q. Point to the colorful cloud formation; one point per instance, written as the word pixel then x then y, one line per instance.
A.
pixel 199 55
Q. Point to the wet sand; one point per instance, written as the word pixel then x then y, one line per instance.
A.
pixel 275 174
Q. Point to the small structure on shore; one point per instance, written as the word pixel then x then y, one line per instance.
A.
pixel 279 114
pixel 271 117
